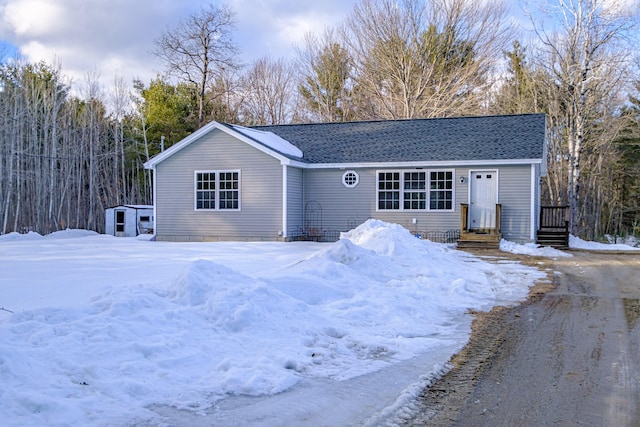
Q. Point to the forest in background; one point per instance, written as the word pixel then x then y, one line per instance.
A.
pixel 66 156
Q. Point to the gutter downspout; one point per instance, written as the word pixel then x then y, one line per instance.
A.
pixel 155 215
pixel 284 201
pixel 535 188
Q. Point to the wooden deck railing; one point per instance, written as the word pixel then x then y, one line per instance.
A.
pixel 464 218
pixel 554 217
pixel 554 226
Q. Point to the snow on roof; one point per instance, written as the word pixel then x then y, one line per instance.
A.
pixel 132 206
pixel 139 206
pixel 270 140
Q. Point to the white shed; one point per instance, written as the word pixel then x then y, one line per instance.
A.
pixel 128 220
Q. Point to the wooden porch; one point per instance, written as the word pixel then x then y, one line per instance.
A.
pixel 479 238
pixel 553 227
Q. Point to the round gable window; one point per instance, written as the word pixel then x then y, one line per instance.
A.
pixel 350 179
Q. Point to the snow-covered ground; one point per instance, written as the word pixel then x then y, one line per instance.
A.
pixel 630 245
pixel 98 330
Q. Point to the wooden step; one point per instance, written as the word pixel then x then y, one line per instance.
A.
pixel 477 244
pixel 479 240
pixel 556 239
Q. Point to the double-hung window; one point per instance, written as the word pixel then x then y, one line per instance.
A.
pixel 415 196
pixel 441 190
pixel 415 190
pixel 217 190
pixel 388 190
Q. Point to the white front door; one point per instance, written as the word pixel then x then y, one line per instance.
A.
pixel 483 199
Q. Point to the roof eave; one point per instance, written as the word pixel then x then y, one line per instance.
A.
pixel 428 163
pixel 152 163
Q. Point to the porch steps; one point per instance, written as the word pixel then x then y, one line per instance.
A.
pixel 555 239
pixel 479 240
pixel 554 227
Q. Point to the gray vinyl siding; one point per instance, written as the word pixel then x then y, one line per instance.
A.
pixel 537 196
pixel 295 203
pixel 514 194
pixel 315 197
pixel 340 208
pixel 260 214
pixel 344 208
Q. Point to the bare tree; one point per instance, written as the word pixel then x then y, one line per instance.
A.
pixel 269 92
pixel 199 48
pixel 60 156
pixel 587 64
pixel 120 102
pixel 424 59
pixel 225 96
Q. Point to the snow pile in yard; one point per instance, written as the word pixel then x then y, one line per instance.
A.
pixel 578 243
pixel 31 235
pixel 532 249
pixel 62 234
pixel 376 297
pixel 70 234
pixel 574 242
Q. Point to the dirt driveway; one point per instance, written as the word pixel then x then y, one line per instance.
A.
pixel 569 356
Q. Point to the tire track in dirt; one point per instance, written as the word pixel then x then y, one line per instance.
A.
pixel 569 355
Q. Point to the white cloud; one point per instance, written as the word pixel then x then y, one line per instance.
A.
pixel 273 27
pixel 32 17
pixel 115 37
pixel 619 7
pixel 108 37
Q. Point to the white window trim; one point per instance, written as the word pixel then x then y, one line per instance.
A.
pixel 401 172
pixel 344 182
pixel 453 190
pixel 217 190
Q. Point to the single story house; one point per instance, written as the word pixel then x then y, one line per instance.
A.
pixel 128 220
pixel 288 182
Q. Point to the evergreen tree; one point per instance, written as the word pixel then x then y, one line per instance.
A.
pixel 325 86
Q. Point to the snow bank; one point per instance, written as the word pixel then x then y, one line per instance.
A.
pixel 376 297
pixel 532 249
pixel 62 234
pixel 71 234
pixel 578 243
pixel 13 236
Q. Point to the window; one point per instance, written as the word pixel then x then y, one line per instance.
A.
pixel 415 196
pixel 350 179
pixel 389 190
pixel 441 190
pixel 217 190
pixel 228 190
pixel 417 189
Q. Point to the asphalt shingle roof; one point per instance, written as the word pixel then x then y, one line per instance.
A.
pixel 444 139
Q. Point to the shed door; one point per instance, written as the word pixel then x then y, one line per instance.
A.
pixel 120 223
pixel 483 199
